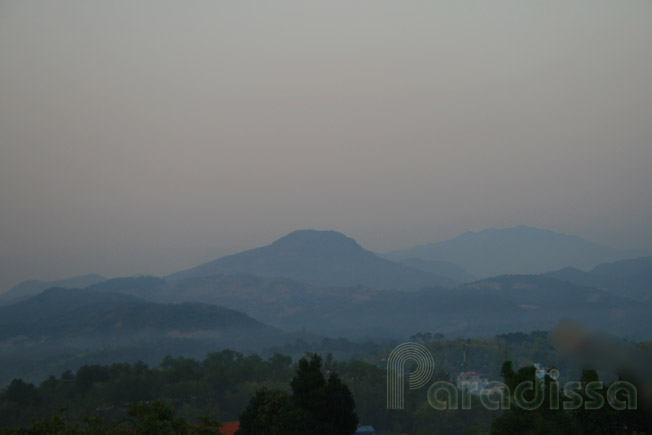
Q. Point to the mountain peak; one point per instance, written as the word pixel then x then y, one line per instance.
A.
pixel 311 239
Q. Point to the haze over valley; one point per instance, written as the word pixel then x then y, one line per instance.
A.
pixel 315 284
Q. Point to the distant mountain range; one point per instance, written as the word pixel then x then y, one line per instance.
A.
pixel 30 288
pixel 516 250
pixel 331 259
pixel 323 258
pixel 491 306
pixel 326 283
pixel 311 284
pixel 631 278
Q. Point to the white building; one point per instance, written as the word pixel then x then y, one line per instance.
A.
pixel 474 381
pixel 541 372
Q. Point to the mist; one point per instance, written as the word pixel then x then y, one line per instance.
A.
pixel 148 137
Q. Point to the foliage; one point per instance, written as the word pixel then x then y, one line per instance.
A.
pixel 547 419
pixel 145 418
pixel 317 406
pixel 224 383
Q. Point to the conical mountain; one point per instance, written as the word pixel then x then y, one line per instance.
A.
pixel 322 258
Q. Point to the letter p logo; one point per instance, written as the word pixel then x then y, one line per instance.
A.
pixel 419 377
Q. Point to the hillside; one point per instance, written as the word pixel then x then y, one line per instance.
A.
pixel 441 268
pixel 30 288
pixel 74 315
pixel 491 306
pixel 516 250
pixel 630 278
pixel 323 258
pixel 62 329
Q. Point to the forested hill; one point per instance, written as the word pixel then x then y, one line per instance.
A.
pixel 63 328
pixel 59 313
pixel 631 278
pixel 491 306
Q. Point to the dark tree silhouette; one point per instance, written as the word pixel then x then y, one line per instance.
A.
pixel 316 406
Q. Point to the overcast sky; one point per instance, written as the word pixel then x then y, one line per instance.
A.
pixel 150 136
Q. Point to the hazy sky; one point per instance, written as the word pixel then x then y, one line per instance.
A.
pixel 149 136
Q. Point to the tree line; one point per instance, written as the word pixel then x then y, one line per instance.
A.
pixel 194 395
